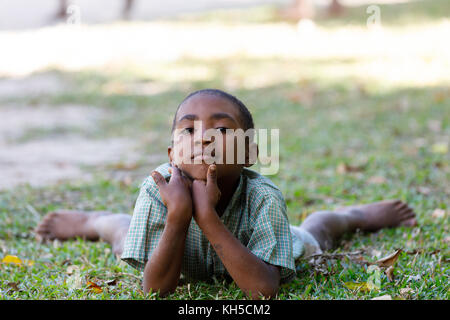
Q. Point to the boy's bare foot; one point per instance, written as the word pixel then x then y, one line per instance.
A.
pixel 383 214
pixel 65 224
pixel 328 226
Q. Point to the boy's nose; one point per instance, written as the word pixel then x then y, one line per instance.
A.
pixel 202 141
pixel 202 138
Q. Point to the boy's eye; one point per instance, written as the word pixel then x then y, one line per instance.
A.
pixel 187 131
pixel 222 129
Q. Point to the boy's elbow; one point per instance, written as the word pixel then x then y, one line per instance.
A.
pixel 270 287
pixel 270 291
pixel 162 292
pixel 266 291
pixel 162 286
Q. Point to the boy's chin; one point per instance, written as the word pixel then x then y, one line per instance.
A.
pixel 196 171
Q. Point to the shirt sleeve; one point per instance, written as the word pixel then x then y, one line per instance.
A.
pixel 146 226
pixel 271 239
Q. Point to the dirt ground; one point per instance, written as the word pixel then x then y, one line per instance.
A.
pixel 41 145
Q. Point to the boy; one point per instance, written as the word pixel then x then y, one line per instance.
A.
pixel 219 219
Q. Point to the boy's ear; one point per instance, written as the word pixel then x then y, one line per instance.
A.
pixel 170 154
pixel 251 154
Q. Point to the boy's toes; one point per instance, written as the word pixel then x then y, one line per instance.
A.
pixel 42 236
pixel 411 222
pixel 408 217
pixel 406 212
pixel 400 205
pixel 42 233
pixel 44 229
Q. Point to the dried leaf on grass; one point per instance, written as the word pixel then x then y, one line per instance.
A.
pixel 440 148
pixel 438 213
pixel 439 97
pixel 111 282
pixel 373 283
pixel 74 281
pixel 376 180
pixel 390 273
pixel 125 166
pixel 10 259
pixel 431 251
pixel 325 259
pixel 72 269
pixel 389 260
pixel 321 262
pixel 66 261
pixel 406 291
pixel 424 190
pixel 355 256
pixel 343 168
pixel 94 287
pixel 304 97
pixel 14 286
pixel 357 286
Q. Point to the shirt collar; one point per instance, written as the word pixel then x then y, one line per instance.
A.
pixel 237 193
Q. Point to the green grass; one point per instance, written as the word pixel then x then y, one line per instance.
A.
pixel 393 15
pixel 325 119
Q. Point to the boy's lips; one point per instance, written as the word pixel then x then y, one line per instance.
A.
pixel 203 157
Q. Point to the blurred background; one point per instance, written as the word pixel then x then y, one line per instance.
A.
pixel 359 90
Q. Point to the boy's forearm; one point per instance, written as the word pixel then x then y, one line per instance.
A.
pixel 162 271
pixel 251 274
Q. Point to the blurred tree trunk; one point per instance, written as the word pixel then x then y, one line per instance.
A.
pixel 62 11
pixel 335 8
pixel 127 9
pixel 304 9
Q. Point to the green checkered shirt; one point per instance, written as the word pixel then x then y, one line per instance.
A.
pixel 256 215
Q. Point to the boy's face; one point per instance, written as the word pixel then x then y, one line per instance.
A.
pixel 215 114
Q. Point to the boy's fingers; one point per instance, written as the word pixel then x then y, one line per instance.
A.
pixel 198 182
pixel 175 172
pixel 159 179
pixel 187 182
pixel 211 177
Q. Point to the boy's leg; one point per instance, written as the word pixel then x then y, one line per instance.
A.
pixel 63 225
pixel 328 226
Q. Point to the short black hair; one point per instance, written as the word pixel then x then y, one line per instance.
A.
pixel 246 116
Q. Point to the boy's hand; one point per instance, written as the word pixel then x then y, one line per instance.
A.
pixel 205 196
pixel 176 196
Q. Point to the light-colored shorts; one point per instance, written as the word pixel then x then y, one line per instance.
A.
pixel 303 243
